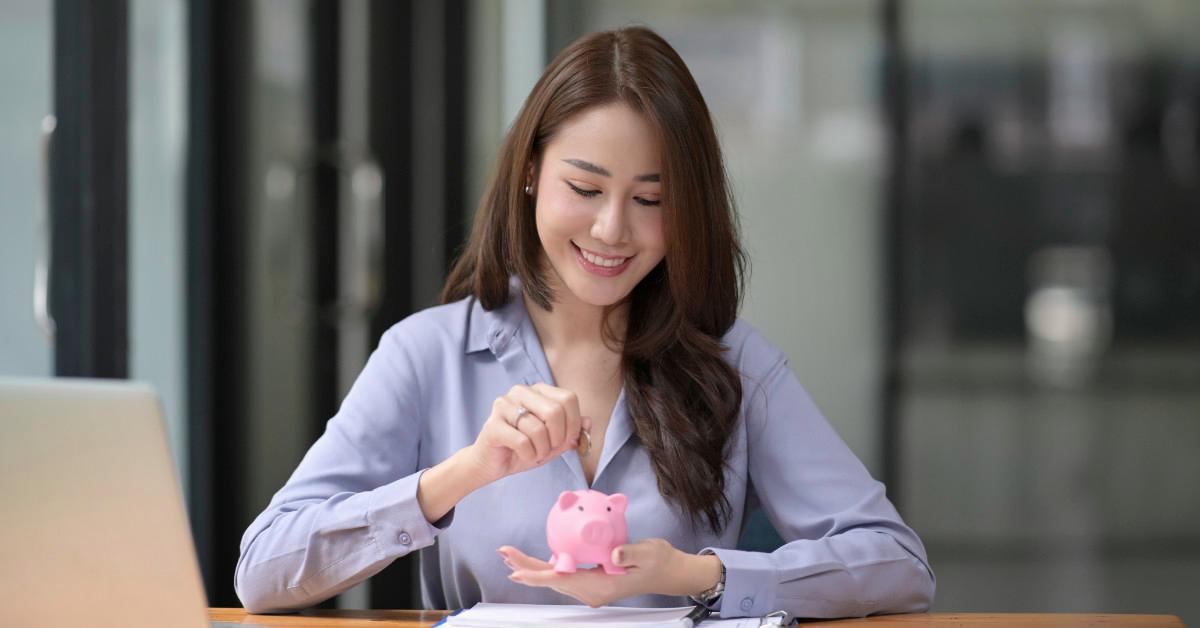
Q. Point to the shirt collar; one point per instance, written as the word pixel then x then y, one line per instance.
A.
pixel 492 329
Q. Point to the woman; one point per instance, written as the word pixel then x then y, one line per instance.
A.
pixel 588 338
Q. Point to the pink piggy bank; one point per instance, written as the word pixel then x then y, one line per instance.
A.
pixel 584 527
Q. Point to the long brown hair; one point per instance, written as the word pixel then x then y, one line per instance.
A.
pixel 683 395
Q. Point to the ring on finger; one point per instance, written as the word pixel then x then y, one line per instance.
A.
pixel 521 412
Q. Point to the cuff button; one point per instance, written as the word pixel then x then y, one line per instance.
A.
pixel 404 538
pixel 747 603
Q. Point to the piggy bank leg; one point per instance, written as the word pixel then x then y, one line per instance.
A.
pixel 612 569
pixel 563 563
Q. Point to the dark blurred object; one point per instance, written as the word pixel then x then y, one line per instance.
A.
pixel 994 181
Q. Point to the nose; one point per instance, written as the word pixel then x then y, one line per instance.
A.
pixel 612 225
pixel 596 533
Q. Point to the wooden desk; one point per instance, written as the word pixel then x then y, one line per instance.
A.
pixel 423 619
pixel 329 618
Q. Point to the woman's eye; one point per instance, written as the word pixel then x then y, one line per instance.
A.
pixel 581 192
pixel 590 193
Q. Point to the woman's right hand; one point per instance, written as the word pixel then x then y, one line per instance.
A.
pixel 510 444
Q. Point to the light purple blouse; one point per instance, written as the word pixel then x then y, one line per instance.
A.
pixel 351 508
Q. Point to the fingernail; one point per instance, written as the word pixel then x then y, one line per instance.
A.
pixel 620 556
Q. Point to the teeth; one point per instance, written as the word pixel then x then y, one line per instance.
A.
pixel 600 261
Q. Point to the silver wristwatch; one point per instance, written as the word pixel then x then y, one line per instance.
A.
pixel 710 597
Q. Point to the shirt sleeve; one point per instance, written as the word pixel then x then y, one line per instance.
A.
pixel 848 553
pixel 350 508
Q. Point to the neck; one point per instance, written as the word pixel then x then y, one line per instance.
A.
pixel 573 324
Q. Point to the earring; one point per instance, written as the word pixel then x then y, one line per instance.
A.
pixel 528 190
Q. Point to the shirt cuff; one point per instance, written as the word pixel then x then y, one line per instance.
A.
pixel 750 582
pixel 395 519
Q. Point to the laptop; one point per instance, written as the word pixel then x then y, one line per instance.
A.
pixel 93 530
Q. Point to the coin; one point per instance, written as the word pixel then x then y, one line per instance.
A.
pixel 585 442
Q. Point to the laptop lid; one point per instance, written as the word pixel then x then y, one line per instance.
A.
pixel 93 530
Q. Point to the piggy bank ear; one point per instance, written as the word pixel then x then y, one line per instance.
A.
pixel 618 501
pixel 566 499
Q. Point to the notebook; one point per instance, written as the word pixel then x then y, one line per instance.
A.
pixel 489 615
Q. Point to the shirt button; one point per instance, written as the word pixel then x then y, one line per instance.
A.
pixel 747 603
pixel 404 538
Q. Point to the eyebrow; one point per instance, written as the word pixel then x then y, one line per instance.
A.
pixel 593 168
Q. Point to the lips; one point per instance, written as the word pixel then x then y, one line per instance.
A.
pixel 599 269
pixel 602 260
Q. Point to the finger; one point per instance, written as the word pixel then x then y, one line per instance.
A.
pixel 533 428
pixel 521 560
pixel 623 556
pixel 504 410
pixel 570 403
pixel 509 436
pixel 548 409
pixel 541 577
pixel 519 443
pixel 585 441
pixel 634 554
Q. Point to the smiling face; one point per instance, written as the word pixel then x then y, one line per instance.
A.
pixel 598 213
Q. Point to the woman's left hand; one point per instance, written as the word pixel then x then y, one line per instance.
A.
pixel 652 566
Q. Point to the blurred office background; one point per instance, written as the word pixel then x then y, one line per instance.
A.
pixel 974 228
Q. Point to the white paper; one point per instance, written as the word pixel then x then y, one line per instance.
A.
pixel 487 615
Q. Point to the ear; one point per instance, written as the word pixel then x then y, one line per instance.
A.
pixel 618 501
pixel 566 499
pixel 531 175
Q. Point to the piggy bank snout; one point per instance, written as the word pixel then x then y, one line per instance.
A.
pixel 596 533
